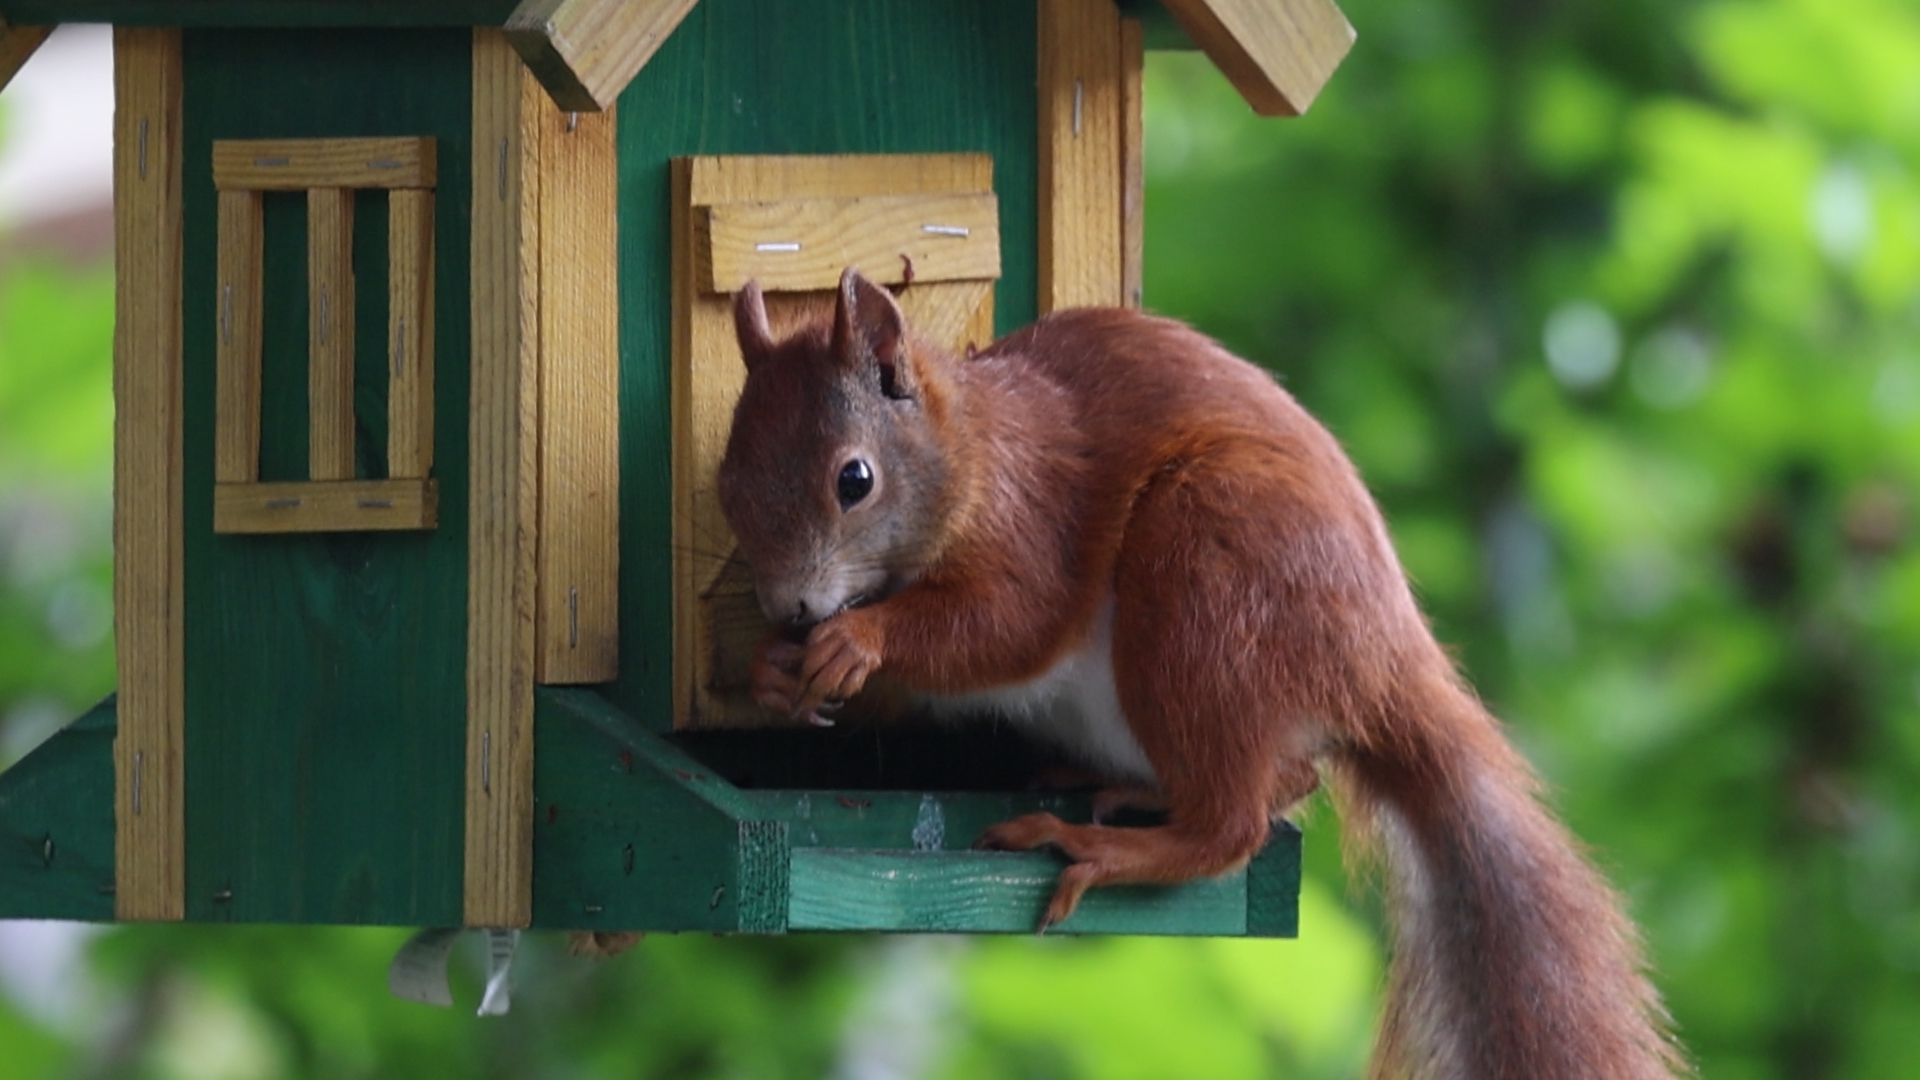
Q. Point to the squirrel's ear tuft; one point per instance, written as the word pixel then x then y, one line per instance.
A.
pixel 750 324
pixel 868 326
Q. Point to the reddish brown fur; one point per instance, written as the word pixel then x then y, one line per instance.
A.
pixel 1261 623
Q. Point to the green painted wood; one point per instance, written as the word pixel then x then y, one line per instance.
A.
pixel 992 892
pixel 261 13
pixel 793 77
pixel 1273 885
pixel 905 820
pixel 631 834
pixel 56 825
pixel 325 690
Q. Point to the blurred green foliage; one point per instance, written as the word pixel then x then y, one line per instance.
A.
pixel 1618 308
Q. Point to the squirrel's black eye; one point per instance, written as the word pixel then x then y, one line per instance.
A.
pixel 856 481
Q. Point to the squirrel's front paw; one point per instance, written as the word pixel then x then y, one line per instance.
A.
pixel 841 654
pixel 773 676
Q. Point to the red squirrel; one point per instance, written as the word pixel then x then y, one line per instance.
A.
pixel 1130 542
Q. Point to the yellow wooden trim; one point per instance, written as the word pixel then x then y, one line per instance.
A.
pixel 586 51
pixel 410 287
pixel 330 334
pixel 502 523
pixel 1277 53
pixel 1133 171
pixel 237 340
pixel 297 164
pixel 1080 209
pixel 17 46
pixel 148 531
pixel 802 244
pixel 712 181
pixel 577 634
pixel 716 621
pixel 305 506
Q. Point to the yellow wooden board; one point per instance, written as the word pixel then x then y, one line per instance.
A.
pixel 296 164
pixel 1133 171
pixel 325 506
pixel 1277 53
pixel 237 342
pixel 17 46
pixel 502 524
pixel 715 620
pixel 148 528
pixel 577 634
pixel 795 245
pixel 1080 154
pixel 330 333
pixel 410 334
pixel 586 51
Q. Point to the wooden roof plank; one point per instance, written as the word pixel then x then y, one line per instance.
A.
pixel 17 45
pixel 586 51
pixel 1277 53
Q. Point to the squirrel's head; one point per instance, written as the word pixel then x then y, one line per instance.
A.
pixel 835 477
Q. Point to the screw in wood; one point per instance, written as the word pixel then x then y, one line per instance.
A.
pixel 1079 90
pixel 947 230
pixel 573 617
pixel 139 765
pixel 486 762
pixel 778 245
pixel 143 148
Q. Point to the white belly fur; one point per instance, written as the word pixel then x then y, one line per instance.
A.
pixel 1073 705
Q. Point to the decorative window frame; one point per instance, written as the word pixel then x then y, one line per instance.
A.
pixel 329 171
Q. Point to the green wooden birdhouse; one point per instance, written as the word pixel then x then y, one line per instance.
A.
pixel 425 613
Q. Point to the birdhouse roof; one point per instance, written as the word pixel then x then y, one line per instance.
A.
pixel 1277 53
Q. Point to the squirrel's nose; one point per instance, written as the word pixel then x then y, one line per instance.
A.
pixel 788 609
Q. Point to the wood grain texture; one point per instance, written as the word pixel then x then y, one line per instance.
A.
pixel 502 527
pixel 1133 164
pixel 56 825
pixel 410 338
pixel 330 426
pixel 148 526
pixel 312 506
pixel 577 633
pixel 238 342
pixel 714 630
pixel 347 806
pixel 1080 154
pixel 606 785
pixel 802 244
pixel 585 52
pixel 298 164
pixel 1277 53
pixel 17 46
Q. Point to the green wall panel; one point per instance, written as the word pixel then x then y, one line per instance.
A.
pixel 791 77
pixel 56 825
pixel 325 673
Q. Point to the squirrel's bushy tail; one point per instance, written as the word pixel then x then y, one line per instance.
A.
pixel 1512 958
